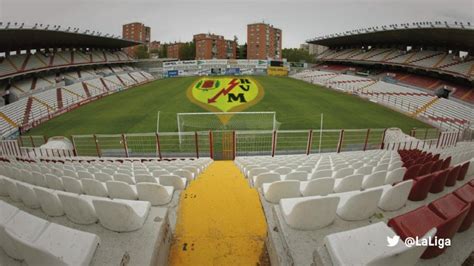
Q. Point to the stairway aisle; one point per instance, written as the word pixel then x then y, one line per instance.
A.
pixel 220 220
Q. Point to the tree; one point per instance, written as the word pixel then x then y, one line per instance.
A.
pixel 297 55
pixel 163 53
pixel 242 51
pixel 141 52
pixel 187 51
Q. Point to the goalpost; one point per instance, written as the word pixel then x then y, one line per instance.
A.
pixel 218 121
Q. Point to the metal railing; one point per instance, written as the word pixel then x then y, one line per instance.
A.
pixel 216 144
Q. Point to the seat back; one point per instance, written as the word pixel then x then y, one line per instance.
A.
pixel 282 189
pixel 77 208
pixel 34 255
pixel 103 177
pixel 366 170
pixel 348 183
pixel 266 178
pixel 49 202
pixel 360 205
pixel 72 184
pixel 94 188
pixel 54 182
pixel 306 215
pixel 184 173
pixel 145 179
pixel 403 256
pixel 154 193
pixel 120 190
pixel 110 212
pixel 172 180
pixel 343 172
pixel 396 196
pixel 463 171
pixel 395 176
pixel 412 172
pixel 319 187
pixel 300 176
pixel 321 174
pixel 374 180
pixel 421 187
pixel 127 178
pixel 28 195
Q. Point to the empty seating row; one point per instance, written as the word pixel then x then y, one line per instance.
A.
pixel 273 189
pixel 80 209
pixel 310 213
pixel 23 62
pixel 157 194
pixel 39 242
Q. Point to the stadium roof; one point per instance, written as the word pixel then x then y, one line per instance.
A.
pixel 22 39
pixel 461 38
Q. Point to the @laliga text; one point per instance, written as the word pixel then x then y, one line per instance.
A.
pixel 424 242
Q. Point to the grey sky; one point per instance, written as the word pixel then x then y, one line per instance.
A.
pixel 178 20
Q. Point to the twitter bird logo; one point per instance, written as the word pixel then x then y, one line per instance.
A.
pixel 393 241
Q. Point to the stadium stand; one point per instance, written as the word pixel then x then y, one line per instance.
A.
pixel 359 217
pixel 443 113
pixel 40 83
pixel 41 193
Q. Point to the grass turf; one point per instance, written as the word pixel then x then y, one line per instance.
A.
pixel 298 106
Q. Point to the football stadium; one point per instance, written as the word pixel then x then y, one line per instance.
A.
pixel 120 150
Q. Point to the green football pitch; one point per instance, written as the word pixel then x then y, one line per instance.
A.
pixel 298 105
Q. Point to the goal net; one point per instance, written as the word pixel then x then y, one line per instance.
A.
pixel 190 122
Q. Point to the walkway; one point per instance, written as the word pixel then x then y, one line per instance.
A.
pixel 220 220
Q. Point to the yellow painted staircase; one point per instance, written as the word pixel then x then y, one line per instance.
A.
pixel 425 107
pixel 220 220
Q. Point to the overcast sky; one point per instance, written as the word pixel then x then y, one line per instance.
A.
pixel 178 20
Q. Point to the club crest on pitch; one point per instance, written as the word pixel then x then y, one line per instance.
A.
pixel 225 94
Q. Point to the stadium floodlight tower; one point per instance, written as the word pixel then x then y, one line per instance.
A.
pixel 226 121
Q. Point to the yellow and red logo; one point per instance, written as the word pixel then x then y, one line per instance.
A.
pixel 225 94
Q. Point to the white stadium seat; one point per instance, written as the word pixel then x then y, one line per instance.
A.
pixel 357 205
pixel 121 190
pixel 395 175
pixel 275 191
pixel 154 193
pixel 54 182
pixel 300 176
pixel 78 208
pixel 72 184
pixel 26 226
pixel 265 178
pixel 179 183
pixel 395 197
pixel 28 195
pixel 348 183
pixel 121 215
pixel 57 246
pixel 12 189
pixel 305 213
pixel 93 187
pixel 49 201
pixel 317 187
pixel 368 246
pixel 374 180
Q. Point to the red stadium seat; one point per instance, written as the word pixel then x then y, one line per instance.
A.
pixel 425 168
pixel 437 165
pixel 436 157
pixel 421 220
pixel 412 172
pixel 463 171
pixel 446 163
pixel 453 176
pixel 466 193
pixel 421 187
pixel 439 181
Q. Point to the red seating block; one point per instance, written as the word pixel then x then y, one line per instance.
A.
pixel 453 176
pixel 463 171
pixel 425 168
pixel 439 181
pixel 421 220
pixel 466 193
pixel 421 187
pixel 446 163
pixel 437 166
pixel 412 172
